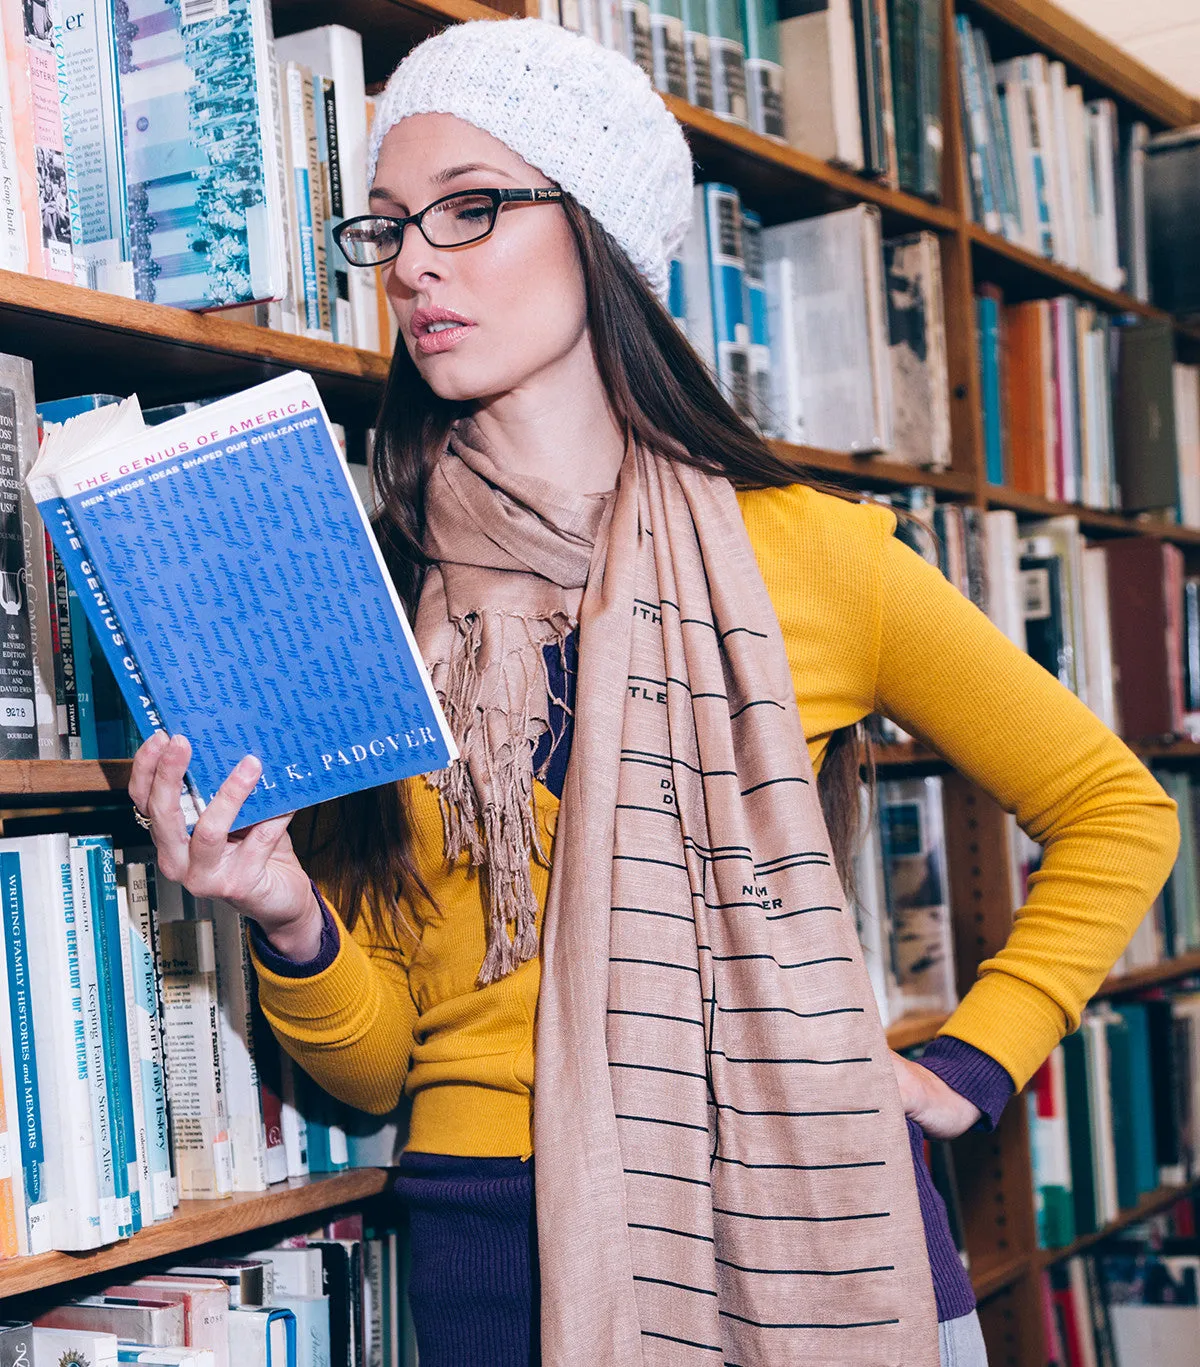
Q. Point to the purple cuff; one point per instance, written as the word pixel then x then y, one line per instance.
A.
pixel 972 1074
pixel 270 957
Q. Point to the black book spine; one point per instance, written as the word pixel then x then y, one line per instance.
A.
pixel 1041 590
pixel 18 717
pixel 16 1343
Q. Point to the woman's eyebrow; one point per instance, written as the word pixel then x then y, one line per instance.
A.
pixel 440 179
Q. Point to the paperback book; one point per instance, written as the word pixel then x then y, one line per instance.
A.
pixel 229 572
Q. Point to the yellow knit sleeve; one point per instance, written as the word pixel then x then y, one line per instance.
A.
pixel 1110 834
pixel 350 1027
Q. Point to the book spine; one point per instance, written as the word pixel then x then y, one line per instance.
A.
pixel 18 707
pixel 144 993
pixel 268 1058
pixel 199 1127
pixel 295 80
pixel 88 742
pixel 107 1174
pixel 314 121
pixel 66 704
pixel 293 1121
pixel 755 308
pixel 141 1191
pixel 723 219
pixel 154 886
pixel 727 52
pixel 14 1233
pixel 242 1097
pixel 338 271
pixel 70 172
pixel 668 48
pixel 929 99
pixel 764 72
pixel 13 252
pixel 20 95
pixel 49 152
pixel 697 53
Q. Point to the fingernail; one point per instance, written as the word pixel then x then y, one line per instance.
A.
pixel 178 742
pixel 248 767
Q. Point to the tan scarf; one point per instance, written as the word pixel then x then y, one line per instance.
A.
pixel 723 1169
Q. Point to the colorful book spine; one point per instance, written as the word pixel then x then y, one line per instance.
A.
pixel 89 743
pixel 731 332
pixel 149 1040
pixel 66 695
pixel 293 1121
pixel 764 71
pixel 112 1178
pixel 20 96
pixel 137 1140
pixel 14 1233
pixel 314 120
pixel 18 687
pixel 49 152
pixel 14 254
pixel 987 322
pixel 296 77
pixel 342 315
pixel 727 51
pixel 756 317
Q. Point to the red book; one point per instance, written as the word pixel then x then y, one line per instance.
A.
pixel 1145 600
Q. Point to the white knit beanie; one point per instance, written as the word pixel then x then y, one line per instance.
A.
pixel 586 117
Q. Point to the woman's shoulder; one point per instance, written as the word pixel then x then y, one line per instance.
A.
pixel 800 522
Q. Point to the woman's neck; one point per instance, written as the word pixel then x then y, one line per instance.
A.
pixel 557 426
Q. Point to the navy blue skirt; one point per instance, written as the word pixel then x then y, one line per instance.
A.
pixel 473 1288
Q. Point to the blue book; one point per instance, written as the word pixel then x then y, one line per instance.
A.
pixel 677 293
pixel 205 221
pixel 755 308
pixel 726 267
pixel 987 319
pixel 270 625
pixel 106 932
pixel 1145 1139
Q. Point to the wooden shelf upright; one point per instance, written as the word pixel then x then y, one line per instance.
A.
pixel 81 341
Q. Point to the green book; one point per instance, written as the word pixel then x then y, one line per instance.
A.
pixel 668 47
pixel 1079 1133
pixel 903 35
pixel 697 53
pixel 764 73
pixel 727 50
pixel 1120 1084
pixel 928 180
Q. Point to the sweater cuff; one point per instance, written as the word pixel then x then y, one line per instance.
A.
pixel 972 1074
pixel 283 967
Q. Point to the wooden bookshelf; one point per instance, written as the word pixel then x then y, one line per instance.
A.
pixel 1152 1203
pixel 82 341
pixel 1153 975
pixel 196 1223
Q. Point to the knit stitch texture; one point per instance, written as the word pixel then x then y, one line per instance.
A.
pixel 583 115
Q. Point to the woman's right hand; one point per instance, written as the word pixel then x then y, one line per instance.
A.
pixel 255 870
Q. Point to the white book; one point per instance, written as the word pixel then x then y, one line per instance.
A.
pixel 839 326
pixel 1013 95
pixel 72 1348
pixel 112 1217
pixel 786 399
pixel 1104 1158
pixel 156 1355
pixel 1002 539
pixel 698 284
pixel 336 52
pixel 820 83
pixel 134 1035
pixel 199 1123
pixel 69 1216
pixel 262 1336
pixel 15 1016
pixel 137 874
pixel 1060 142
pixel 293 1123
pixel 1186 384
pixel 1077 150
pixel 870 907
pixel 298 1271
pixel 1066 541
pixel 1037 74
pixel 1097 639
pixel 235 988
pixel 1102 116
pixel 14 255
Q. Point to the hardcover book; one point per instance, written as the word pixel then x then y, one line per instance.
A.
pixel 268 624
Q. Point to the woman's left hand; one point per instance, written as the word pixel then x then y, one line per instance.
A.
pixel 932 1103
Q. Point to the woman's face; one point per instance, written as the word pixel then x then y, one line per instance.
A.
pixel 518 293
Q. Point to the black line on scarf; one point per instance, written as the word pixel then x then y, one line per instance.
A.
pixel 805 1271
pixel 687 1343
pixel 759 702
pixel 770 783
pixel 795 1115
pixel 743 851
pixel 679 1286
pixel 679 1233
pixel 646 603
pixel 658 963
pixel 654 1120
pixel 811 963
pixel 762 636
pixel 823 1062
pixel 728 906
pixel 817 862
pixel 787 1010
pixel 679 683
pixel 801 1167
pixel 667 1177
pixel 758 1324
pixel 803 1219
pixel 654 1015
pixel 768 865
pixel 800 911
pixel 654 761
pixel 806 963
pixel 654 811
pixel 646 911
pixel 695 621
pixel 642 859
pixel 655 1068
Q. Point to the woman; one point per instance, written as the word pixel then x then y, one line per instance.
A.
pixel 606 563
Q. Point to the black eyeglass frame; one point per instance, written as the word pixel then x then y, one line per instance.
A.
pixel 546 195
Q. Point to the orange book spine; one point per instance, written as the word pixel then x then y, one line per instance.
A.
pixel 1025 405
pixel 9 1245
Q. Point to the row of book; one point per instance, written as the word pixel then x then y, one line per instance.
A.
pixel 1085 408
pixel 135 1068
pixel 855 82
pixel 820 331
pixel 172 152
pixel 334 1298
pixel 1065 178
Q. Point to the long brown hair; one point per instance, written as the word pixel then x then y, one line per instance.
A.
pixel 664 397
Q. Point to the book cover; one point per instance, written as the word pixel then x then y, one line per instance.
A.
pixel 205 1302
pixel 820 80
pixel 72 1348
pixel 312 1327
pixel 249 1280
pixel 16 1343
pixel 754 310
pixel 764 71
pixel 140 1319
pixel 262 1336
pixel 731 333
pixel 13 249
pixel 18 680
pixel 141 1178
pixel 205 224
pixel 1172 176
pixel 667 48
pixel 917 351
pixel 297 650
pixel 697 53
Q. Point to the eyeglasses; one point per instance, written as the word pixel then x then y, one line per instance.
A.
pixel 453 221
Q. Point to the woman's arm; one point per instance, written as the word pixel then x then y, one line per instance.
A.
pixel 346 1016
pixel 949 677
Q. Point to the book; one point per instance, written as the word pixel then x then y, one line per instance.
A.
pixel 820 80
pixel 668 49
pixel 312 1327
pixel 14 1231
pixel 199 152
pixel 205 1303
pixel 266 468
pixel 764 70
pixel 1047 1100
pixel 250 1281
pixel 917 351
pixel 13 250
pixel 727 54
pixel 140 1319
pixel 16 1343
pixel 1172 206
pixel 19 735
pixel 262 1336
pixel 1147 463
pixel 137 1055
pixel 755 310
pixel 731 332
pixel 697 53
pixel 1145 594
pixel 72 1348
pixel 151 1355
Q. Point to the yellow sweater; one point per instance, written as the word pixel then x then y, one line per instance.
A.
pixel 868 626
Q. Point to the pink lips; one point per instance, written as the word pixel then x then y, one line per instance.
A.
pixel 430 343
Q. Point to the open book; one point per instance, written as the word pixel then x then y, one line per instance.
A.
pixel 231 576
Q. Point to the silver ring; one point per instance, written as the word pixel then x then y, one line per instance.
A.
pixel 141 818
